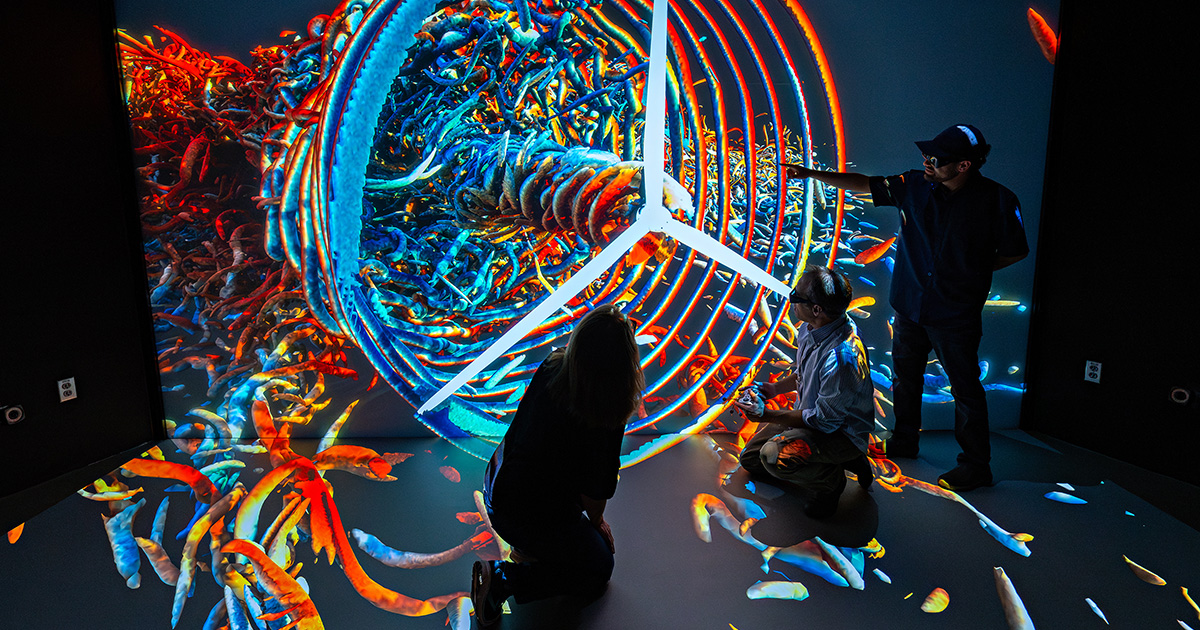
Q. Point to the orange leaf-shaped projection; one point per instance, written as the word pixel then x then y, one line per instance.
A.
pixel 1192 602
pixel 282 586
pixel 644 248
pixel 860 302
pixel 485 545
pixel 264 424
pixel 1043 34
pixel 187 562
pixel 706 507
pixel 277 440
pixel 875 252
pixel 470 518
pixel 15 533
pixel 204 489
pixel 936 602
pixel 319 518
pixel 246 524
pixel 1145 574
pixel 324 509
pixel 449 472
pixel 379 467
pixel 278 538
pixel 395 458
pixel 359 460
pixel 747 431
pixel 320 366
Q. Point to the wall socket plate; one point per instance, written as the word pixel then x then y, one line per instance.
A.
pixel 66 389
pixel 1091 372
pixel 13 414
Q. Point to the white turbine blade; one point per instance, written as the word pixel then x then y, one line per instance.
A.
pixel 654 217
pixel 585 276
pixel 654 155
pixel 713 248
pixel 654 133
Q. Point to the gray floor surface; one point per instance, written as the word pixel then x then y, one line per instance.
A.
pixel 61 574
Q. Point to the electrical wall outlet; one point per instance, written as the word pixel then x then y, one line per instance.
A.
pixel 1091 372
pixel 66 389
pixel 13 414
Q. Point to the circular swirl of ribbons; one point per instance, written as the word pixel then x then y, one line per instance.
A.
pixel 459 163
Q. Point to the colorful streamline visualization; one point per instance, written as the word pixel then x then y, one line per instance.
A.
pixel 427 177
pixel 377 202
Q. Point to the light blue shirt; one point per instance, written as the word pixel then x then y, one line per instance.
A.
pixel 833 383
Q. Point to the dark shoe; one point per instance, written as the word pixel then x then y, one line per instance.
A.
pixel 891 448
pixel 965 478
pixel 861 468
pixel 824 505
pixel 484 594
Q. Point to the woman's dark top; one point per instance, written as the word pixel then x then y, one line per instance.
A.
pixel 548 458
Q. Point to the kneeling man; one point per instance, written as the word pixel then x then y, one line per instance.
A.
pixel 826 433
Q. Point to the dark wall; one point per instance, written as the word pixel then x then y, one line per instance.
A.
pixel 1117 275
pixel 73 300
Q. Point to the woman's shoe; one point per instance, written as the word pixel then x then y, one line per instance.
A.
pixel 484 595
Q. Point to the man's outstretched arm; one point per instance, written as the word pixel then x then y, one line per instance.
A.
pixel 855 182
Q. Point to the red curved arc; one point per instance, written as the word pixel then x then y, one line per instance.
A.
pixel 687 80
pixel 773 99
pixel 723 148
pixel 701 171
pixel 835 114
pixel 710 272
pixel 751 185
pixel 747 136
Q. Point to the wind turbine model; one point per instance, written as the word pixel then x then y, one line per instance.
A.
pixel 653 218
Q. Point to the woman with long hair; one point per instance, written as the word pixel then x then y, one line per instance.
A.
pixel 549 480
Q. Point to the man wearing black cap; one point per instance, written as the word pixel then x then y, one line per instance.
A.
pixel 956 228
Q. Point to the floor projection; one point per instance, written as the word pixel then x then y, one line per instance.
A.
pixel 350 535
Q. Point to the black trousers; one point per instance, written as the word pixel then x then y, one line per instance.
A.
pixel 957 348
pixel 811 460
pixel 571 560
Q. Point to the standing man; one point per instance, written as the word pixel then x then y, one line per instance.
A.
pixel 956 228
pixel 826 433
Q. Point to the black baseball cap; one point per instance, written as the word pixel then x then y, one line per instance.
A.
pixel 958 142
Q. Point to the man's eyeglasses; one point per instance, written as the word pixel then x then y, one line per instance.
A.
pixel 796 298
pixel 937 162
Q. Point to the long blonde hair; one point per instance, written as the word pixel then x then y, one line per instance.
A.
pixel 600 381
